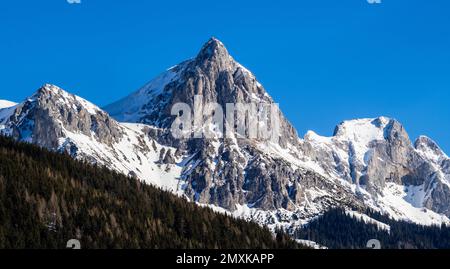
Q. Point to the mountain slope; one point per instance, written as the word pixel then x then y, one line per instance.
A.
pixel 233 171
pixel 48 198
pixel 6 104
pixel 57 120
pixel 284 181
pixel 367 163
pixel 392 175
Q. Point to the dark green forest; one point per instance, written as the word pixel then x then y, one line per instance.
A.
pixel 47 198
pixel 336 230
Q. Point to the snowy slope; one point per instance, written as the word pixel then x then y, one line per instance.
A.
pixel 129 109
pixel 61 121
pixel 6 110
pixel 366 219
pixel 292 180
pixel 132 155
pixel 360 151
pixel 5 104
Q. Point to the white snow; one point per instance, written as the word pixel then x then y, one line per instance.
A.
pixel 312 136
pixel 434 155
pixel 134 153
pixel 289 154
pixel 5 113
pixel 128 109
pixel 91 108
pixel 368 220
pixel 397 203
pixel 400 202
pixel 6 104
pixel 415 195
pixel 362 130
pixel 7 109
pixel 360 133
pixel 68 98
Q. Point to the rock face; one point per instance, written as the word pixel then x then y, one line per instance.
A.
pixel 213 74
pixel 377 155
pixel 44 117
pixel 223 172
pixel 369 162
pixel 60 121
pixel 284 181
pixel 369 153
pixel 436 169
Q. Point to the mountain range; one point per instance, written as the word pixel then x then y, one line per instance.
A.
pixel 286 183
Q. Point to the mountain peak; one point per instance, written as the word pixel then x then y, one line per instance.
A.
pixel 52 113
pixel 429 147
pixel 49 89
pixel 213 49
pixel 52 95
pixel 425 140
pixel 352 128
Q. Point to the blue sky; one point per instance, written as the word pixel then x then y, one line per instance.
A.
pixel 324 61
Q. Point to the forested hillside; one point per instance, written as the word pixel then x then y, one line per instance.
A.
pixel 48 198
pixel 335 229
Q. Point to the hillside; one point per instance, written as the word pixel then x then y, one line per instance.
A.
pixel 47 198
pixel 337 229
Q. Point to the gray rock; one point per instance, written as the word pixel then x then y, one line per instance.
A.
pixel 42 118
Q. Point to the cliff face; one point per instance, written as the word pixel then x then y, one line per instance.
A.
pixel 369 162
pixel 224 172
pixel 378 157
pixel 45 116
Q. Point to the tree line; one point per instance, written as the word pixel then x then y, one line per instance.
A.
pixel 47 198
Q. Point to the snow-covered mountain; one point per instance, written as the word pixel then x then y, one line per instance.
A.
pixel 58 120
pixel 384 168
pixel 367 163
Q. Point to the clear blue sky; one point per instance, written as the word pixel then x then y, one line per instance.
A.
pixel 324 61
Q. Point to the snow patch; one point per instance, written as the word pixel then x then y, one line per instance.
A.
pixel 368 220
pixel 128 109
pixel 6 104
pixel 400 205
